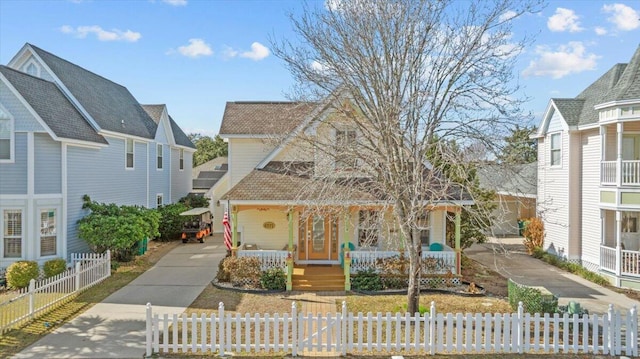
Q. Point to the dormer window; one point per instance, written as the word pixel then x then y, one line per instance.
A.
pixel 159 153
pixel 6 136
pixel 346 142
pixel 32 68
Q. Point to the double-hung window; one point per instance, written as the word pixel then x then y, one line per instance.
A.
pixel 48 232
pixel 6 136
pixel 181 159
pixel 129 153
pixel 159 200
pixel 424 228
pixel 555 145
pixel 368 228
pixel 12 233
pixel 159 154
pixel 345 149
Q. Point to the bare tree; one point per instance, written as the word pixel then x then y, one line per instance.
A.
pixel 409 75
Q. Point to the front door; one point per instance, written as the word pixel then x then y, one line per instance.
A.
pixel 320 241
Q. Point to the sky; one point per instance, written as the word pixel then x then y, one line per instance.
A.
pixel 195 55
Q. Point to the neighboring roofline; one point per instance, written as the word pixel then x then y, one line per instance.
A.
pixel 65 91
pixel 125 135
pixel 189 149
pixel 81 143
pixel 225 136
pixel 516 194
pixel 546 118
pixel 223 177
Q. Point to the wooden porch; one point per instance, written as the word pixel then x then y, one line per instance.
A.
pixel 318 278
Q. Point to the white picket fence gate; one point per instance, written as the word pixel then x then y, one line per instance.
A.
pixel 433 333
pixel 40 296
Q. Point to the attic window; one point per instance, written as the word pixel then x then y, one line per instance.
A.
pixel 6 136
pixel 32 69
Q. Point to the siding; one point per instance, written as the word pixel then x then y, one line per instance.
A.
pixel 244 155
pixel 101 174
pixel 574 163
pixel 23 119
pixel 43 73
pixel 553 197
pixel 48 165
pixel 159 179
pixel 438 227
pixel 13 176
pixel 218 209
pixel 181 181
pixel 591 230
pixel 161 133
pixel 556 123
pixel 250 224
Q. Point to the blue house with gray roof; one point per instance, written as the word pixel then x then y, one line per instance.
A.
pixel 66 132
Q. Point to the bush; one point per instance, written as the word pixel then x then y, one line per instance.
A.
pixel 533 300
pixel 193 200
pixel 273 279
pixel 533 234
pixel 394 281
pixel 171 221
pixel 21 272
pixel 243 270
pixel 367 280
pixel 223 275
pixel 54 267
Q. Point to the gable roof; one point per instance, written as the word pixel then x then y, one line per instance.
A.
pixel 259 118
pixel 154 111
pixel 179 136
pixel 516 180
pixel 110 105
pixel 53 107
pixel 620 83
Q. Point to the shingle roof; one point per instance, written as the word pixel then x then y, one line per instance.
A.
pixel 154 111
pixel 108 103
pixel 621 82
pixel 517 180
pixel 263 118
pixel 52 106
pixel 179 136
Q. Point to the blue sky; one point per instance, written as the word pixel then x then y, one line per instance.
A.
pixel 196 55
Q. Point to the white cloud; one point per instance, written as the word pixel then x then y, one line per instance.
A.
pixel 600 30
pixel 507 15
pixel 195 49
pixel 567 59
pixel 622 16
pixel 175 2
pixel 102 35
pixel 319 67
pixel 564 20
pixel 257 53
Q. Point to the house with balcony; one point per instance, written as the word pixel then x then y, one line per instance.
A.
pixel 66 132
pixel 589 175
pixel 282 212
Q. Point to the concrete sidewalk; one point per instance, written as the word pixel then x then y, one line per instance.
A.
pixel 509 258
pixel 115 328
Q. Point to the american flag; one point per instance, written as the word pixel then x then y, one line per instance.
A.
pixel 227 230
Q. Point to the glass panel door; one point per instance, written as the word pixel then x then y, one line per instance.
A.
pixel 318 245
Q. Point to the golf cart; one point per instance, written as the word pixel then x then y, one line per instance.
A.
pixel 197 225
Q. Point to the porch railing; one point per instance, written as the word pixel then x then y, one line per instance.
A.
pixel 629 261
pixel 268 258
pixel 443 261
pixel 630 174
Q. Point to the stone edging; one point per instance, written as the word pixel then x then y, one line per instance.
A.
pixel 246 290
pixel 424 290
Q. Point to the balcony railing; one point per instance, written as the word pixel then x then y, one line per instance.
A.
pixel 629 261
pixel 630 173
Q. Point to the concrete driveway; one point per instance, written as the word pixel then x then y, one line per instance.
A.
pixel 115 328
pixel 509 258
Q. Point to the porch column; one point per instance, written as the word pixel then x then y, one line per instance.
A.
pixel 290 218
pixel 619 131
pixel 618 241
pixel 290 254
pixel 458 253
pixel 234 231
pixel 347 254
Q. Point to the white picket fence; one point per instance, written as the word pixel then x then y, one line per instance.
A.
pixel 40 296
pixel 433 333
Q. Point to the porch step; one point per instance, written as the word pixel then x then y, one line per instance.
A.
pixel 318 278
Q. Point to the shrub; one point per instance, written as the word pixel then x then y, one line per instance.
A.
pixel 243 270
pixel 54 267
pixel 171 221
pixel 223 274
pixel 394 265
pixel 193 200
pixel 274 279
pixel 367 280
pixel 394 281
pixel 533 300
pixel 533 234
pixel 21 272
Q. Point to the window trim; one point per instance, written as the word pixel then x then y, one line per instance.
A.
pixel 181 159
pixel 56 227
pixel 345 164
pixel 159 156
pixel 428 227
pixel 159 200
pixel 33 62
pixel 551 150
pixel 133 154
pixel 12 136
pixel 3 225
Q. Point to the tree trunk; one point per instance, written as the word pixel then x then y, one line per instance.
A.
pixel 413 291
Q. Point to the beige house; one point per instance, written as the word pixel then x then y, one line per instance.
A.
pixel 589 175
pixel 279 209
